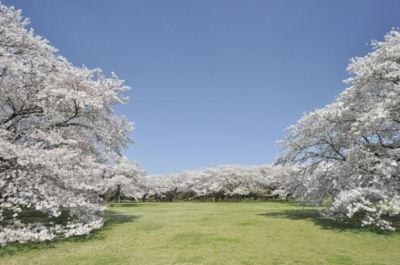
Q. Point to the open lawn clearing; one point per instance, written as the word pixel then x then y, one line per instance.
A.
pixel 214 233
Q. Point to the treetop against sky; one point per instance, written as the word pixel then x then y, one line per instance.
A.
pixel 214 82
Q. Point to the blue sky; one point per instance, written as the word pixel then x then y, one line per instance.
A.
pixel 214 82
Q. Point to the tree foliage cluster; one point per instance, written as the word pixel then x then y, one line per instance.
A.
pixel 349 150
pixel 58 134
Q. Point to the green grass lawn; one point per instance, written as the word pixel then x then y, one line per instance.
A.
pixel 214 233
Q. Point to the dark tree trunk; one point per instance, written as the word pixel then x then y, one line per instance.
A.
pixel 119 193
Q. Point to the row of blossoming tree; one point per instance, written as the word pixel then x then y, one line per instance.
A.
pixel 230 182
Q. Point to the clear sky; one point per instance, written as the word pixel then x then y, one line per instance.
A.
pixel 214 82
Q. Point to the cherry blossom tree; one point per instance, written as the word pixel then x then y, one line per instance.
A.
pixel 58 132
pixel 350 149
pixel 126 179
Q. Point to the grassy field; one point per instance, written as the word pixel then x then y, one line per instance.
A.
pixel 214 233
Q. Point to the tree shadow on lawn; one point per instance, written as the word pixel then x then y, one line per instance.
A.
pixel 324 222
pixel 112 219
pixel 133 204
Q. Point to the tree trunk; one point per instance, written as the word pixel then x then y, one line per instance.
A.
pixel 119 193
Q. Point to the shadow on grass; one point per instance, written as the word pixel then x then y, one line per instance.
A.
pixel 133 204
pixel 111 219
pixel 314 216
